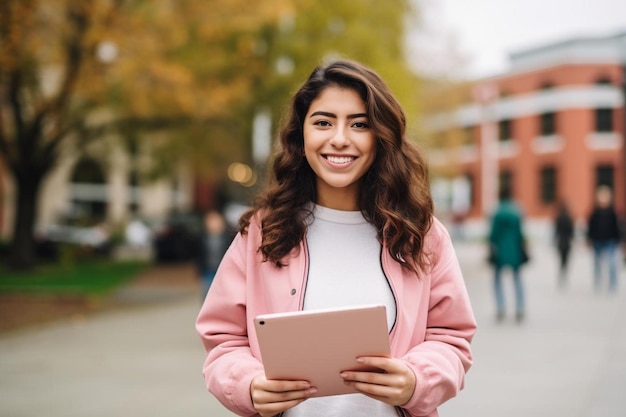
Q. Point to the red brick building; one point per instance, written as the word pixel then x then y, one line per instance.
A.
pixel 552 129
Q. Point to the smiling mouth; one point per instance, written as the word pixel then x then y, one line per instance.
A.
pixel 339 159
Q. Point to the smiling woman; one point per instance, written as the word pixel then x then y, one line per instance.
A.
pixel 347 220
pixel 339 146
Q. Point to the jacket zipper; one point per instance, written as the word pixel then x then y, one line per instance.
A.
pixel 305 274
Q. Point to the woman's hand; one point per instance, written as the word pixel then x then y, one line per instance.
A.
pixel 394 386
pixel 270 397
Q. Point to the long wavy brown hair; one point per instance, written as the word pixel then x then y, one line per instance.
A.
pixel 394 196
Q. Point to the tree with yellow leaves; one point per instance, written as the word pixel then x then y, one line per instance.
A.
pixel 149 64
pixel 195 70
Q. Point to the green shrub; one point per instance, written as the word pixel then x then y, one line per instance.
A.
pixel 86 277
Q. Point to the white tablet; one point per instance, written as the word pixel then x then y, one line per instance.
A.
pixel 316 345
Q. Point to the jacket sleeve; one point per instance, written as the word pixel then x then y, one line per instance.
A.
pixel 441 361
pixel 222 325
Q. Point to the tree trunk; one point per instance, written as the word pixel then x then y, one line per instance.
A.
pixel 22 251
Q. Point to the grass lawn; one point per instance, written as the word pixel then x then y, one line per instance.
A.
pixel 87 278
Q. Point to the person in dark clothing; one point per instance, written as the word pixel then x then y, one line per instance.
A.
pixel 212 245
pixel 603 233
pixel 507 247
pixel 563 236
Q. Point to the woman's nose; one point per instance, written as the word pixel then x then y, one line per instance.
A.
pixel 340 138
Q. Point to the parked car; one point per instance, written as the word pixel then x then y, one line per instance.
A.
pixel 175 240
pixel 95 239
pixel 94 236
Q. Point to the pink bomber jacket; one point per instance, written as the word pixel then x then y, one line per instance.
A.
pixel 432 332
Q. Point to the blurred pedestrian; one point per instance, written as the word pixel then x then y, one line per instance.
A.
pixel 214 241
pixel 508 251
pixel 603 233
pixel 563 237
pixel 346 220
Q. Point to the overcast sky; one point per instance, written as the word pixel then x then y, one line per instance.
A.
pixel 484 32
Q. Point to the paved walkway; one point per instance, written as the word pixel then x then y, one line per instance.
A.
pixel 144 359
pixel 567 359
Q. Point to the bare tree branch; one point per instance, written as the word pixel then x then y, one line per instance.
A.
pixel 80 20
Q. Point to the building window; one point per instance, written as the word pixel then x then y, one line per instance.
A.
pixel 468 135
pixel 548 185
pixel 604 120
pixel 88 170
pixel 547 124
pixel 604 175
pixel 461 195
pixel 132 146
pixel 472 188
pixel 504 130
pixel 505 181
pixel 547 85
pixel 88 206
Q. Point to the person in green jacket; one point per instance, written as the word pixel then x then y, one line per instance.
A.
pixel 507 250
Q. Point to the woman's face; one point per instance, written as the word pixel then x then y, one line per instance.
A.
pixel 339 145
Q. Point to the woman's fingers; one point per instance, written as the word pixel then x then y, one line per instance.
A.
pixel 271 397
pixel 393 385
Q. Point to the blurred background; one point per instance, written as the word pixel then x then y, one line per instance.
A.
pixel 153 112
pixel 123 121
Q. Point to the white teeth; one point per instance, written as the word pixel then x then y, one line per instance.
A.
pixel 340 159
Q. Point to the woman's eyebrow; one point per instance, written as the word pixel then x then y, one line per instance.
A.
pixel 334 116
pixel 323 113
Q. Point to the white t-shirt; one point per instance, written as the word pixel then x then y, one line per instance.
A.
pixel 344 263
pixel 344 270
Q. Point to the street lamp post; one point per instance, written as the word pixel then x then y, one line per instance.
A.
pixel 623 142
pixel 485 95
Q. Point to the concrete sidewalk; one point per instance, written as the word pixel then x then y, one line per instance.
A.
pixel 567 359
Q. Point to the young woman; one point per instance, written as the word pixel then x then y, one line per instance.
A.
pixel 347 220
pixel 604 235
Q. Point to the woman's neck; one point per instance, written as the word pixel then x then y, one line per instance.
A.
pixel 344 198
pixel 338 201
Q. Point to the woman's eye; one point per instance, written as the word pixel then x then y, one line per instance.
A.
pixel 361 125
pixel 322 123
